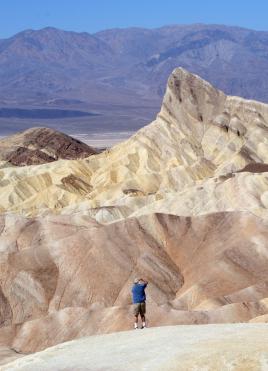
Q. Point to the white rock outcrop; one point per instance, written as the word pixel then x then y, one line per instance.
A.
pixel 181 348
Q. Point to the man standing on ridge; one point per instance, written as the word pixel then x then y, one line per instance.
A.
pixel 139 299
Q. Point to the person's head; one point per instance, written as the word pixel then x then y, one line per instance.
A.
pixel 136 280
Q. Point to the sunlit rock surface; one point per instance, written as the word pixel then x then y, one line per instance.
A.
pixel 181 348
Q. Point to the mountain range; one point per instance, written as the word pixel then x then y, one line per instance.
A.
pixel 121 73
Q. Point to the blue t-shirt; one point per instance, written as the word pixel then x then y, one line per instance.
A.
pixel 138 293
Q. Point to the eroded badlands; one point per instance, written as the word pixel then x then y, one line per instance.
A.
pixel 183 202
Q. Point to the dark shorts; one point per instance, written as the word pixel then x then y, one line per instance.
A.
pixel 139 308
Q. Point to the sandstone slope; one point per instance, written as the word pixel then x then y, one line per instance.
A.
pixel 64 277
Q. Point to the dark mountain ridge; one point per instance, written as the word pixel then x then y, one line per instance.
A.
pixel 37 146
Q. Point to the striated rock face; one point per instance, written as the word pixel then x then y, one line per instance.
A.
pixel 212 348
pixel 64 277
pixel 40 145
pixel 182 203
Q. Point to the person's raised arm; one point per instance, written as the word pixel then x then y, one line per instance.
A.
pixel 145 282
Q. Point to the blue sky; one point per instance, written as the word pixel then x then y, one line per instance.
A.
pixel 95 15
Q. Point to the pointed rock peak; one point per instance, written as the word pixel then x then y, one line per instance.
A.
pixel 190 93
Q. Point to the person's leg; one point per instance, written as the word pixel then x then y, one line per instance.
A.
pixel 136 321
pixel 143 320
pixel 143 311
pixel 136 314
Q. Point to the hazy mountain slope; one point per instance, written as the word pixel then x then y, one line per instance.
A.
pixel 49 61
pixel 56 61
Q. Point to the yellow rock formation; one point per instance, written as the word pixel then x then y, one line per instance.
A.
pixel 201 146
